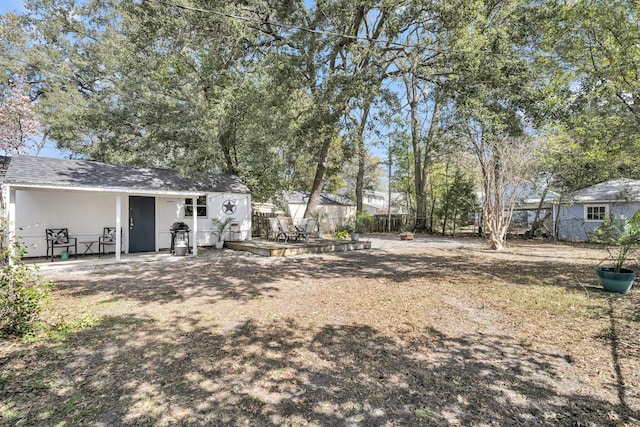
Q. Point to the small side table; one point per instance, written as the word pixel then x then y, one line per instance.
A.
pixel 88 247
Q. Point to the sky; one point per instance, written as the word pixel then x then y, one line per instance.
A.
pixel 11 6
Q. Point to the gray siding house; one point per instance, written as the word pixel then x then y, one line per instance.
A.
pixel 584 210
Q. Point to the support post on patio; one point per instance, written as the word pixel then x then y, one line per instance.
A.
pixel 11 223
pixel 194 242
pixel 118 226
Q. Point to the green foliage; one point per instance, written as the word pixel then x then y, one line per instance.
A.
pixel 596 127
pixel 361 221
pixel 61 328
pixel 621 236
pixel 23 293
pixel 341 234
pixel 457 201
pixel 220 225
pixel 319 216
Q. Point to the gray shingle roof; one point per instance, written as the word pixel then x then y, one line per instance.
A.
pixel 302 197
pixel 65 173
pixel 623 189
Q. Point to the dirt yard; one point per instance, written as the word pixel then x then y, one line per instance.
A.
pixel 430 332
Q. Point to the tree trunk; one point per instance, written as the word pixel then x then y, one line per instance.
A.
pixel 318 180
pixel 455 220
pixel 421 151
pixel 362 155
pixel 360 177
pixel 556 222
pixel 226 139
pixel 429 145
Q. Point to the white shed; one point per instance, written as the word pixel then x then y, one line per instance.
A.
pixel 84 196
pixel 337 211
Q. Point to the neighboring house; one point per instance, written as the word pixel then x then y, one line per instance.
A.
pixel 337 211
pixel 377 202
pixel 524 211
pixel 85 197
pixel 527 199
pixel 584 210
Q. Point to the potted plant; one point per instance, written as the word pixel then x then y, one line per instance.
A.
pixel 360 222
pixel 219 227
pixel 318 216
pixel 622 238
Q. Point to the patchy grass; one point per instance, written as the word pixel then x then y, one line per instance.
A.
pixel 412 336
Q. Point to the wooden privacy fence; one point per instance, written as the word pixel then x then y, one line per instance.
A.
pixel 260 223
pixel 379 223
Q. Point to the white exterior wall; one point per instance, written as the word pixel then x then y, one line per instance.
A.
pixel 86 213
pixel 336 217
pixel 83 213
pixel 215 209
pixel 171 209
pixel 296 210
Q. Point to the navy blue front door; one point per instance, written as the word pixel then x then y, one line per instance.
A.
pixel 142 224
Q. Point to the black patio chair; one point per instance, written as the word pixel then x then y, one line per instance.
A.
pixel 108 238
pixel 59 238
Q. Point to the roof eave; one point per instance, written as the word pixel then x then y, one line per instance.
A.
pixel 19 185
pixel 583 200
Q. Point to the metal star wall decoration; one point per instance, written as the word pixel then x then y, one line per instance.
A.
pixel 229 206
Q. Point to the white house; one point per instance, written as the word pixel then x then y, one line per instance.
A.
pixel 85 197
pixel 337 211
pixel 584 210
pixel 377 202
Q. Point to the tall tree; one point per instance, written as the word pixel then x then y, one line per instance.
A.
pixel 597 125
pixel 422 69
pixel 20 127
pixel 497 82
pixel 163 85
pixel 331 46
pixel 18 122
pixel 600 41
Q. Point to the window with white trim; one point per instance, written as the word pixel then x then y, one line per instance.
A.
pixel 596 212
pixel 201 206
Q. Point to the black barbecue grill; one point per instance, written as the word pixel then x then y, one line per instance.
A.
pixel 179 232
